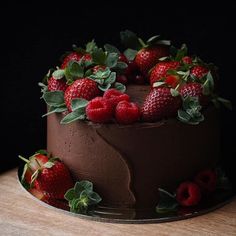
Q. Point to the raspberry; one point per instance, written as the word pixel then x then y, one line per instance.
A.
pixel 114 96
pixel 188 194
pixel 99 110
pixel 127 112
pixel 187 60
pixel 206 180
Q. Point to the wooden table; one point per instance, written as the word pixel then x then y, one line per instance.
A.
pixel 20 214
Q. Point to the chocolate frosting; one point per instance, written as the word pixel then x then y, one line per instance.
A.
pixel 127 164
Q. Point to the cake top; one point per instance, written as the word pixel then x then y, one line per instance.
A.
pixel 90 83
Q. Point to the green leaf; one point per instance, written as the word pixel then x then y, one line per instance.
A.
pixel 98 56
pixel 47 76
pixel 90 46
pixel 54 98
pixel 88 73
pixel 104 87
pixel 55 110
pixel 78 103
pixel 75 69
pixel 164 42
pixel 119 86
pixel 101 74
pixel 153 39
pixel 111 79
pixel 183 116
pixel 130 40
pixel 48 164
pixel 70 194
pixel 130 54
pixel 110 48
pixel 42 151
pixel 163 58
pixel 225 102
pixel 158 84
pixel 174 92
pixel 58 74
pixel 167 202
pixel 181 52
pixel 78 114
pixel 93 198
pixel 111 60
pixel 120 65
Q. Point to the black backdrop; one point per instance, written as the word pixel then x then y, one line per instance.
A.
pixel 34 37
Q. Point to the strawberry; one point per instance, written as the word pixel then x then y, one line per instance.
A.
pixel 161 69
pixel 199 71
pixel 206 180
pixel 96 68
pixel 127 112
pixel 187 60
pixel 56 84
pixel 172 80
pixel 160 104
pixel 81 88
pixel 32 165
pixel 53 178
pixel 188 194
pixel 147 57
pixel 73 56
pixel 114 96
pixel 99 110
pixel 194 89
pixel 39 194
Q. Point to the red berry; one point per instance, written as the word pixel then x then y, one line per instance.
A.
pixel 160 104
pixel 161 69
pixel 187 60
pixel 132 69
pixel 99 110
pixel 199 71
pixel 206 180
pixel 172 80
pixel 114 96
pixel 146 58
pixel 72 56
pixel 127 112
pixel 96 68
pixel 57 84
pixel 194 90
pixel 188 194
pixel 122 79
pixel 123 58
pixel 139 79
pixel 81 88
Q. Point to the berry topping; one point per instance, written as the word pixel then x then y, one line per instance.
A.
pixel 114 96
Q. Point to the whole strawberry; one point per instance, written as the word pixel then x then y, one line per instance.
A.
pixel 73 56
pixel 199 71
pixel 57 84
pixel 81 88
pixel 161 69
pixel 54 178
pixel 147 57
pixel 188 194
pixel 187 60
pixel 160 104
pixel 194 89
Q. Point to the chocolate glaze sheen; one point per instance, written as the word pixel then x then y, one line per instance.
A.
pixel 127 164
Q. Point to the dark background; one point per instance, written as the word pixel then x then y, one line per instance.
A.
pixel 35 36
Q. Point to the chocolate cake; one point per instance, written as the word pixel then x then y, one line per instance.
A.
pixel 128 163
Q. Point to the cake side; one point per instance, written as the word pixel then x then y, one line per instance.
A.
pixel 128 164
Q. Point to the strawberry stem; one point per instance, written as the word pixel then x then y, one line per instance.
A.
pixel 142 43
pixel 24 159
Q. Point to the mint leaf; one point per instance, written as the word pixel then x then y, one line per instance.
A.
pixel 54 98
pixel 78 103
pixel 53 109
pixel 78 114
pixel 110 48
pixel 83 185
pixel 130 54
pixel 119 86
pixel 167 202
pixel 70 194
pixel 130 40
pixel 58 74
pixel 111 60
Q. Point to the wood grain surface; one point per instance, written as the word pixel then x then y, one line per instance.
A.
pixel 20 214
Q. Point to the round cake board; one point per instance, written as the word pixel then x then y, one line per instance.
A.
pixel 129 216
